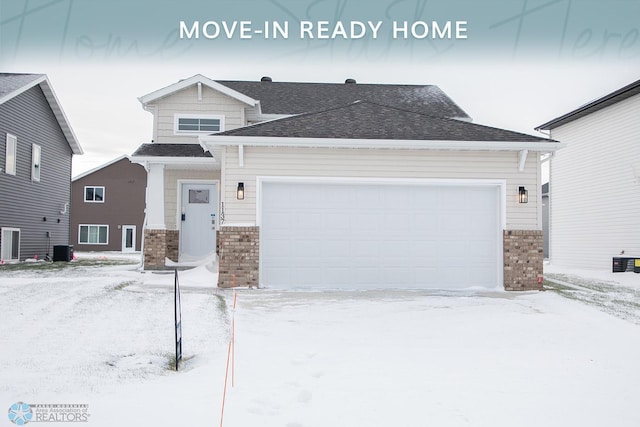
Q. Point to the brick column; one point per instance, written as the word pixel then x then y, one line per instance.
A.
pixel 173 240
pixel 238 254
pixel 155 249
pixel 523 257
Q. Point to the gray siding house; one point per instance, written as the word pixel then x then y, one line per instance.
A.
pixel 108 207
pixel 36 147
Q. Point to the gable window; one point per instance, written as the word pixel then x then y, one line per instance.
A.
pixel 94 194
pixel 11 149
pixel 36 158
pixel 93 234
pixel 185 124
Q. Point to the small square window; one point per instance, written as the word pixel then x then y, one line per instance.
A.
pixel 94 194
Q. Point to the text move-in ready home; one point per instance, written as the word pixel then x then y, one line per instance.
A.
pixel 347 185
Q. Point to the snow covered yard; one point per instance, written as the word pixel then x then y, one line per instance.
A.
pixel 102 335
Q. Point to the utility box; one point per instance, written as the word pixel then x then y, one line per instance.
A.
pixel 619 264
pixel 62 253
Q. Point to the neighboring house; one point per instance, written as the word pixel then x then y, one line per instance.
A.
pixel 320 185
pixel 108 207
pixel 545 219
pixel 36 147
pixel 602 157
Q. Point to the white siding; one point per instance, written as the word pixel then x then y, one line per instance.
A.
pixel 171 177
pixel 186 102
pixel 595 187
pixel 259 161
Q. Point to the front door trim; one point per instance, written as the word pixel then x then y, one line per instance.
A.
pixel 180 185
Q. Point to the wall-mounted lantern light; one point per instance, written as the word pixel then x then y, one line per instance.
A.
pixel 523 195
pixel 240 191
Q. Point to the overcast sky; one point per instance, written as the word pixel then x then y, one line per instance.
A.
pixel 559 56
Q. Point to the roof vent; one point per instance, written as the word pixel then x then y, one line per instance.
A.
pixel 350 81
pixel 266 79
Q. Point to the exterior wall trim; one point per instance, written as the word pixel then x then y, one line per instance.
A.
pixel 261 141
pixel 180 183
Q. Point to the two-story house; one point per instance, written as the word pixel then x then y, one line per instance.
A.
pixel 108 207
pixel 602 157
pixel 36 147
pixel 348 185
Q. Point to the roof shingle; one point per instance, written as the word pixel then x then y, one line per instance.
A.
pixel 171 150
pixel 10 82
pixel 296 98
pixel 368 120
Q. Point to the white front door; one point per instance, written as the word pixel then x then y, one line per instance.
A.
pixel 198 220
pixel 128 238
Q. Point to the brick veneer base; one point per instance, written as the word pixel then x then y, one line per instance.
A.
pixel 238 254
pixel 523 259
pixel 158 245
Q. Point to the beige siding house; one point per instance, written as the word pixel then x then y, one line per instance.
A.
pixel 319 185
pixel 595 181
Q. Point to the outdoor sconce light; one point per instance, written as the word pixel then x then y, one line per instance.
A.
pixel 240 191
pixel 523 195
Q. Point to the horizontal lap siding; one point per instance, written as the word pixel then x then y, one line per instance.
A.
pixel 185 102
pixel 259 161
pixel 595 187
pixel 23 203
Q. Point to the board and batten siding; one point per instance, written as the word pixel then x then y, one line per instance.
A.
pixel 171 191
pixel 25 204
pixel 370 163
pixel 595 187
pixel 186 102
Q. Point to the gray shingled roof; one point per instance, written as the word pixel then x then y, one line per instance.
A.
pixel 296 98
pixel 368 120
pixel 593 106
pixel 171 150
pixel 10 82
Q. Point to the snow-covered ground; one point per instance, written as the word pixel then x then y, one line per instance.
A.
pixel 99 332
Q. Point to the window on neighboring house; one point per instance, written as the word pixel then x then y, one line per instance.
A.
pixel 36 160
pixel 198 124
pixel 11 150
pixel 94 194
pixel 93 234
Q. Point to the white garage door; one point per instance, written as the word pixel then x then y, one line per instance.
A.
pixel 365 235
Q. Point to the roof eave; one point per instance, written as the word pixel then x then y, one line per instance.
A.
pixel 198 78
pixel 97 168
pixel 540 146
pixel 173 160
pixel 55 106
pixel 593 106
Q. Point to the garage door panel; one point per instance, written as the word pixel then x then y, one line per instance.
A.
pixel 279 221
pixel 379 235
pixel 277 250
